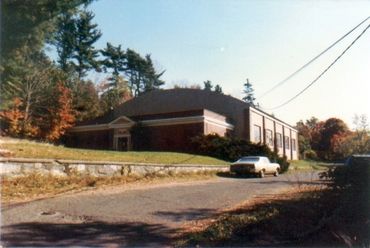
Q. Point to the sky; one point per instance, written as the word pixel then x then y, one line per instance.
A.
pixel 228 41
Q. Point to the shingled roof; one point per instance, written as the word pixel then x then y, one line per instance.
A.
pixel 175 100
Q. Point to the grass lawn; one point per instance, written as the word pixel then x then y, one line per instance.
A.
pixel 306 165
pixel 30 149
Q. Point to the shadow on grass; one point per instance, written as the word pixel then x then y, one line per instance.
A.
pixel 86 234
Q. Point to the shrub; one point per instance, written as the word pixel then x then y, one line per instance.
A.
pixel 310 154
pixel 231 149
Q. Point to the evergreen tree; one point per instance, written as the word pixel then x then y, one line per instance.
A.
pixel 218 89
pixel 85 53
pixel 65 40
pixel 141 74
pixel 74 40
pixel 114 59
pixel 249 93
pixel 152 79
pixel 208 85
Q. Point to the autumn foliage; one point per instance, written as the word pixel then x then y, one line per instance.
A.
pixel 61 114
pixel 43 122
pixel 332 140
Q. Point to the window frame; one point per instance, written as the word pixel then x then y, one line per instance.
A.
pixel 269 140
pixel 287 142
pixel 257 128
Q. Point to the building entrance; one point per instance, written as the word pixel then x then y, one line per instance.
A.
pixel 122 144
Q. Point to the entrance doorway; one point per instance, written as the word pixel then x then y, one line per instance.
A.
pixel 122 144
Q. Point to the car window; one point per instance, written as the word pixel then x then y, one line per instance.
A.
pixel 249 159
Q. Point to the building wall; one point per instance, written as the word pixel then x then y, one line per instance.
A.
pixel 172 137
pixel 279 139
pixel 214 128
pixel 102 139
pixel 267 130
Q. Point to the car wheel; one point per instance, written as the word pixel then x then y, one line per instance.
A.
pixel 276 173
pixel 262 174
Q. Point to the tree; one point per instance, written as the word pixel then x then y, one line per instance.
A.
pixel 65 40
pixel 29 23
pixel 114 60
pixel 40 102
pixel 115 90
pixel 112 95
pixel 74 40
pixel 84 54
pixel 26 25
pixel 141 74
pixel 249 93
pixel 332 128
pixel 61 114
pixel 86 101
pixel 208 85
pixel 357 142
pixel 218 89
pixel 152 79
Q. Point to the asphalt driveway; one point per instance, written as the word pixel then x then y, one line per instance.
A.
pixel 143 216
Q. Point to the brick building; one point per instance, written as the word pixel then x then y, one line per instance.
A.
pixel 168 119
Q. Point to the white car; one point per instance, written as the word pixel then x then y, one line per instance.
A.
pixel 255 165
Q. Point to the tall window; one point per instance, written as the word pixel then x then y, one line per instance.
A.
pixel 257 134
pixel 286 141
pixel 293 145
pixel 279 140
pixel 269 140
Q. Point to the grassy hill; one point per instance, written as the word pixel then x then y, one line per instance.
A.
pixel 30 149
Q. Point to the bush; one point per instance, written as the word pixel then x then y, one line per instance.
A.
pixel 231 149
pixel 310 154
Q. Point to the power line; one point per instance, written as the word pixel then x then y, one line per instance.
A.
pixel 318 77
pixel 312 60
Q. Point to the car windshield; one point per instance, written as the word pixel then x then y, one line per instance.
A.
pixel 249 159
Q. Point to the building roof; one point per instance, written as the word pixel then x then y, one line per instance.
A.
pixel 178 100
pixel 173 100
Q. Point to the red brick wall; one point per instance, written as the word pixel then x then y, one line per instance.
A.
pixel 172 137
pixel 91 140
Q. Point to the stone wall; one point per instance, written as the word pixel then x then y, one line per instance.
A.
pixel 21 166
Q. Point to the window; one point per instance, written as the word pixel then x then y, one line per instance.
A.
pixel 286 141
pixel 249 159
pixel 269 140
pixel 257 134
pixel 279 140
pixel 293 145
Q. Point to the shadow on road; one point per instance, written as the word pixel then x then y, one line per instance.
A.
pixel 236 176
pixel 86 234
pixel 186 215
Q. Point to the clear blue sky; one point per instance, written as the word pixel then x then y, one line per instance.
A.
pixel 228 41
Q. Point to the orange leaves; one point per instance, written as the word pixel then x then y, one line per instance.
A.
pixel 50 125
pixel 14 118
pixel 63 117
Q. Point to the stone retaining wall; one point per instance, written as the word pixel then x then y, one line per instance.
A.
pixel 21 166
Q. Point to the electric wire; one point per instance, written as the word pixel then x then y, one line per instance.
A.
pixel 318 77
pixel 312 60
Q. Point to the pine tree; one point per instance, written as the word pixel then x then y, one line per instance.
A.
pixel 141 74
pixel 74 41
pixel 84 52
pixel 208 85
pixel 218 89
pixel 65 40
pixel 249 93
pixel 114 59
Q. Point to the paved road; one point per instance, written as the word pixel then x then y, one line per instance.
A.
pixel 144 216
